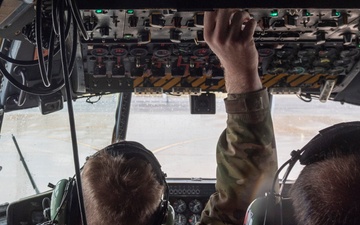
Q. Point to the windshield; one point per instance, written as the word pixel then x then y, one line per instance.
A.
pixel 184 143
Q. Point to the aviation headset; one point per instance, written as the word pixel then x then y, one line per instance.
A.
pixel 339 139
pixel 64 201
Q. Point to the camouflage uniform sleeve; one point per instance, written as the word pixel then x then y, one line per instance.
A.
pixel 246 159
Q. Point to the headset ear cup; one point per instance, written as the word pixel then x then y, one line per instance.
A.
pixel 255 213
pixel 170 216
pixel 262 211
pixel 56 200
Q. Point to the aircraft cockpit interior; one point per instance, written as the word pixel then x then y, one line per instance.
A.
pixel 309 49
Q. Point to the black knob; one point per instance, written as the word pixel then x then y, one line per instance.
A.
pixel 175 35
pixel 133 20
pixel 157 20
pixel 266 22
pixel 176 21
pixel 104 31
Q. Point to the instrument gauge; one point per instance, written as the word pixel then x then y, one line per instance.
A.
pixel 276 70
pixel 349 53
pixel 179 206
pixel 297 70
pixel 99 51
pixel 194 218
pixel 342 62
pixel 284 53
pixel 317 70
pixel 195 206
pixel 180 219
pixel 202 52
pixel 138 52
pixel 337 70
pixel 161 53
pixel 265 52
pixel 118 51
pixel 307 52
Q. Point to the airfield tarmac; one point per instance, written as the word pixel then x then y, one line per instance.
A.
pixel 183 143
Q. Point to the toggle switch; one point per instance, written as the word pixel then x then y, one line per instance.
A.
pixel 157 20
pixel 175 35
pixel 265 22
pixel 320 37
pixel 144 37
pixel 104 31
pixel 176 21
pixel 343 20
pixel 347 38
pixel 133 20
pixel 291 20
pixel 199 20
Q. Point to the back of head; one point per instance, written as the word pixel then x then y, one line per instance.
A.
pixel 120 190
pixel 327 192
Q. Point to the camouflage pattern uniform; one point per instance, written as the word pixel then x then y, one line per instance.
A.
pixel 246 159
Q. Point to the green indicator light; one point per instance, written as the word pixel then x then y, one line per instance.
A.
pixel 128 36
pixel 274 13
pixel 98 11
pixel 130 11
pixel 335 13
pixel 306 13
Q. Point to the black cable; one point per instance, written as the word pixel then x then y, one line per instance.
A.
pixel 71 113
pixel 41 59
pixel 51 52
pixel 305 97
pixel 73 50
pixel 35 62
pixel 272 195
pixel 30 90
pixel 88 99
pixel 77 17
pixel 51 89
pixel 25 62
pixel 55 5
pixel 67 31
pixel 69 19
pixel 22 96
pixel 276 177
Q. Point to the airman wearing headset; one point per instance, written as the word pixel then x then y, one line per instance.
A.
pixel 327 190
pixel 122 184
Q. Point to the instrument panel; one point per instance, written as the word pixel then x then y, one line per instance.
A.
pixel 188 197
pixel 304 49
pixel 163 50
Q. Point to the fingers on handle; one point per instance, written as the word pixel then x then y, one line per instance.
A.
pixel 209 24
pixel 218 27
pixel 249 29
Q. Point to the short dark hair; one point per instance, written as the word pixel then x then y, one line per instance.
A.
pixel 119 190
pixel 327 192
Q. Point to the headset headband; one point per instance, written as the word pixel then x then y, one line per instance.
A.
pixel 332 141
pixel 132 149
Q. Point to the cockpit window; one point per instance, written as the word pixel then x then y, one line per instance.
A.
pixel 184 143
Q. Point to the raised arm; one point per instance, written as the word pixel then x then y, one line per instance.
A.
pixel 246 155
